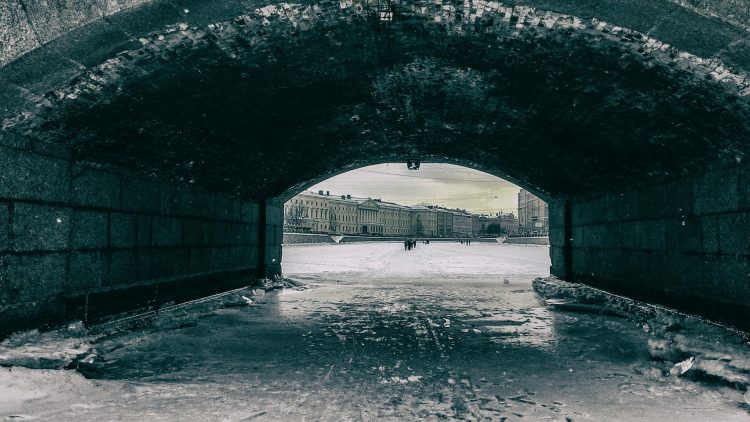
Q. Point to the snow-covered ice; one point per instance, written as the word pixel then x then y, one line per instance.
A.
pixel 379 334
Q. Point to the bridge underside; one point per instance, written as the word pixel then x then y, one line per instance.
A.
pixel 153 175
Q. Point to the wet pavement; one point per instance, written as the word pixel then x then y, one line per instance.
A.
pixel 443 332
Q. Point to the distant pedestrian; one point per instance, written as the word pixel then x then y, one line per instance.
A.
pixel 406 244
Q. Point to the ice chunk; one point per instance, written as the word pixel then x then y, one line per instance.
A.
pixel 682 367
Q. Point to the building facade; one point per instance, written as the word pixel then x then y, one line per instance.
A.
pixel 308 213
pixel 368 217
pixel 321 212
pixel 508 224
pixel 395 218
pixel 423 221
pixel 462 224
pixel 533 215
pixel 479 224
pixel 444 222
pixel 343 215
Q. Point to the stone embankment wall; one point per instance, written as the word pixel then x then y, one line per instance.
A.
pixel 683 244
pixel 300 238
pixel 84 242
pixel 527 241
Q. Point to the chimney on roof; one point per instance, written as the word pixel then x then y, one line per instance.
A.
pixel 320 192
pixel 328 193
pixel 343 196
pixel 348 197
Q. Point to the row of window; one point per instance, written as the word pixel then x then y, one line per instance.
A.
pixel 318 213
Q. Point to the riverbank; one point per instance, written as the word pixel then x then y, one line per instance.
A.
pixel 527 241
pixel 307 238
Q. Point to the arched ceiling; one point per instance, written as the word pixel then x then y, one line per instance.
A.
pixel 278 96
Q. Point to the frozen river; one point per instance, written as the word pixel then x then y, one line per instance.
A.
pixel 442 332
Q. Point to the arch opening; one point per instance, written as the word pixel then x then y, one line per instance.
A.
pixel 390 204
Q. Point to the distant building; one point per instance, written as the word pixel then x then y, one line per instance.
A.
pixel 497 225
pixel 423 221
pixel 444 222
pixel 479 224
pixel 321 212
pixel 368 218
pixel 343 215
pixel 462 225
pixel 395 218
pixel 533 215
pixel 508 224
pixel 308 213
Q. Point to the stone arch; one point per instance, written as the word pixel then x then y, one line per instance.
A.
pixel 638 144
pixel 637 95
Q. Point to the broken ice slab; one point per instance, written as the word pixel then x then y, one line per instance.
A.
pixel 573 306
pixel 682 367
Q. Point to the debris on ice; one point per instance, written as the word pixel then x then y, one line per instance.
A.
pixel 662 349
pixel 682 367
pixel 56 349
pixel 716 352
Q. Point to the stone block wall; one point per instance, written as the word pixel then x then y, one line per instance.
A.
pixel 559 246
pixel 29 24
pixel 685 244
pixel 83 242
pixel 273 221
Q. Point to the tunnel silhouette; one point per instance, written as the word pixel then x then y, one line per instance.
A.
pixel 147 148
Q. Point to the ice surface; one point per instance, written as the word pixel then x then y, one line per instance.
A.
pixel 482 261
pixel 380 334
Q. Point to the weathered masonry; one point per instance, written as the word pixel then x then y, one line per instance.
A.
pixel 147 145
pixel 83 242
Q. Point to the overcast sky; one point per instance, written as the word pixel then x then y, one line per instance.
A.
pixel 442 184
